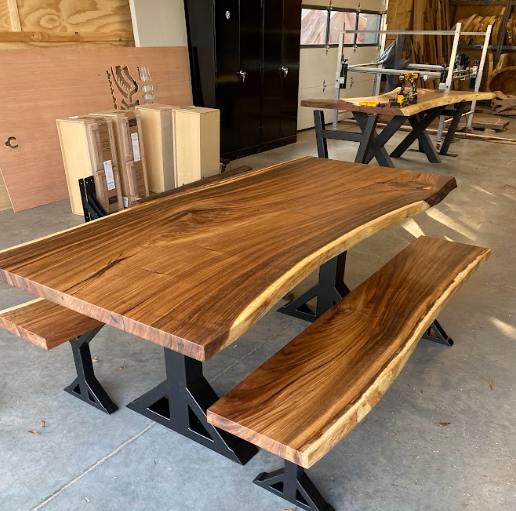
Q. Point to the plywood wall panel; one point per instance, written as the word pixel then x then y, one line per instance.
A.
pixel 74 15
pixel 5 18
pixel 46 84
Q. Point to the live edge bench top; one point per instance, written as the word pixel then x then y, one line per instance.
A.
pixel 46 324
pixel 314 391
pixel 427 99
pixel 195 270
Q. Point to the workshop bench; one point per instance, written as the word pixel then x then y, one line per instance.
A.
pixel 48 325
pixel 313 392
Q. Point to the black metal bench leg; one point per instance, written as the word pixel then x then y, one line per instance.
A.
pixel 180 403
pixel 452 128
pixel 86 387
pixel 293 485
pixel 322 145
pixel 329 290
pixel 437 334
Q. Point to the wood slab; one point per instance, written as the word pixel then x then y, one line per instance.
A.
pixel 44 85
pixel 427 99
pixel 46 324
pixel 314 391
pixel 195 270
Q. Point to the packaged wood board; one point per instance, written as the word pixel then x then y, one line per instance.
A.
pixel 159 142
pixel 131 154
pixel 89 149
pixel 197 134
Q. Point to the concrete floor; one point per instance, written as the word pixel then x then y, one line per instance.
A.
pixel 397 459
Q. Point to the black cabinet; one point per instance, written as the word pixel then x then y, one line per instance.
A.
pixel 244 58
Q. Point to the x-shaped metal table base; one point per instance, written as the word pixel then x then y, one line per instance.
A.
pixel 372 142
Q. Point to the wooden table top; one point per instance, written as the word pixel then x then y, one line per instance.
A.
pixel 195 270
pixel 427 99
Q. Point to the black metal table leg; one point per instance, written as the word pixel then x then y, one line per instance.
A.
pixel 322 146
pixel 293 484
pixel 419 125
pixel 437 334
pixel 329 290
pixel 452 128
pixel 368 128
pixel 180 403
pixel 86 387
pixel 376 147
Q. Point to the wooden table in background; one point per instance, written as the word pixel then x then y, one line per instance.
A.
pixel 195 270
pixel 431 104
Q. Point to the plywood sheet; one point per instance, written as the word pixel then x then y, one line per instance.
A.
pixel 74 16
pixel 44 85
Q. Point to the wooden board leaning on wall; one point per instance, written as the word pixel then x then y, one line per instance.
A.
pixel 62 82
pixel 27 24
pixel 30 23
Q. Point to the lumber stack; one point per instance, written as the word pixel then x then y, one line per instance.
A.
pixel 504 105
pixel 503 77
pixel 422 15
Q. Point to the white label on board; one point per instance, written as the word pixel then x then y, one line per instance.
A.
pixel 126 202
pixel 136 147
pixel 110 177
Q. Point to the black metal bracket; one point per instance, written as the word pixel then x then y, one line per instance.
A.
pixel 293 485
pixel 91 206
pixel 329 290
pixel 180 403
pixel 86 387
pixel 437 334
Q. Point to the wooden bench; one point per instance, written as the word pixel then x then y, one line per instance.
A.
pixel 49 325
pixel 312 393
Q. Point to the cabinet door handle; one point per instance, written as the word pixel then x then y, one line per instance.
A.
pixel 242 75
pixel 284 70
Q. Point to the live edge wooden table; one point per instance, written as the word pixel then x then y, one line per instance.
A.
pixel 194 270
pixel 431 104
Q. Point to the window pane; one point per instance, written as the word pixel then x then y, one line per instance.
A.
pixel 313 26
pixel 337 19
pixel 369 22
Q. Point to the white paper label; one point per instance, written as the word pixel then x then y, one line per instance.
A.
pixel 110 177
pixel 136 147
pixel 126 202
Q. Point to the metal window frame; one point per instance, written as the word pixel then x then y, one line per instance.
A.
pixel 329 9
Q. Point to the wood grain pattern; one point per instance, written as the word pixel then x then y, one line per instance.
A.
pixel 312 393
pixel 14 15
pixel 74 16
pixel 46 324
pixel 195 270
pixel 427 99
pixel 59 37
pixel 5 16
pixel 50 84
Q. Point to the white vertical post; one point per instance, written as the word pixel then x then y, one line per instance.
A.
pixel 383 38
pixel 480 72
pixel 340 63
pixel 449 79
